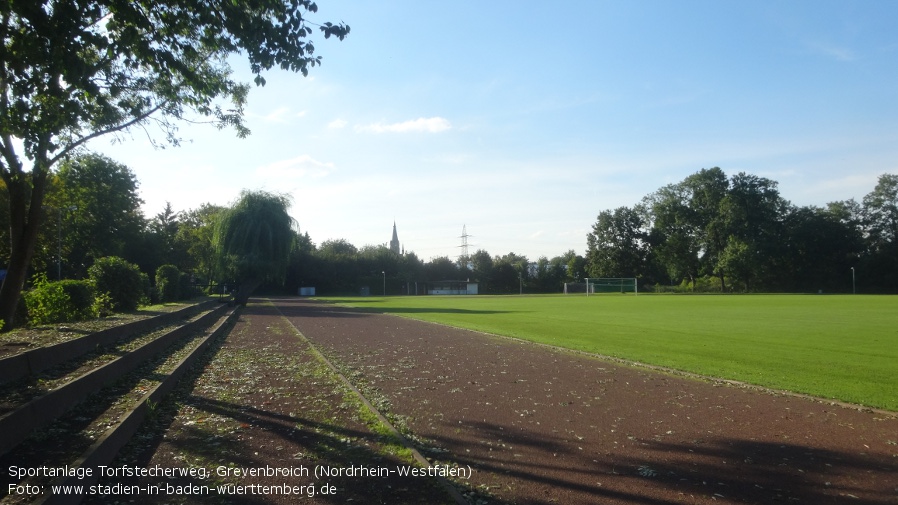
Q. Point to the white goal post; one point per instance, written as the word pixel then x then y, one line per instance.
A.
pixel 603 285
pixel 571 288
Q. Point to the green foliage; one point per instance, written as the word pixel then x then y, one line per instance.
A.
pixel 101 212
pixel 120 280
pixel 740 230
pixel 186 289
pixel 46 303
pixel 103 306
pixel 881 212
pixel 75 71
pixel 60 302
pixel 703 284
pixel 81 296
pixel 617 244
pixel 255 236
pixel 192 244
pixel 168 286
pixel 146 289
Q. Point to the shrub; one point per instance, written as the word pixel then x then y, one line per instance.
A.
pixel 147 293
pixel 167 283
pixel 60 302
pixel 81 296
pixel 103 305
pixel 187 288
pixel 120 280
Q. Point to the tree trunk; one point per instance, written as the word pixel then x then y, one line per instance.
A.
pixel 245 290
pixel 25 220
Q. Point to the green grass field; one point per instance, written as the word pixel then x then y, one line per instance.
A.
pixel 839 347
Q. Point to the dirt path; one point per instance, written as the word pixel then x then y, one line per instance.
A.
pixel 541 426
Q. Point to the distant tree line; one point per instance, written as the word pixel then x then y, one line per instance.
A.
pixel 338 267
pixel 707 233
pixel 711 232
pixel 93 211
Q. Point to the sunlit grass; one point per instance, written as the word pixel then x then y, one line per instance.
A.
pixel 839 347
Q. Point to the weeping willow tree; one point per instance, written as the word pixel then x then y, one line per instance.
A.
pixel 253 239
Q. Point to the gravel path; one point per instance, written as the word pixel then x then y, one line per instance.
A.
pixel 542 426
pixel 264 402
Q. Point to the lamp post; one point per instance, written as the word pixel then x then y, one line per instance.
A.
pixel 59 237
pixel 385 282
pixel 59 245
pixel 853 285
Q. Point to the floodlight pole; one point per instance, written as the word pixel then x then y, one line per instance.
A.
pixel 385 282
pixel 853 285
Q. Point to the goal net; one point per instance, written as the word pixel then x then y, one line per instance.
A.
pixel 603 285
pixel 571 288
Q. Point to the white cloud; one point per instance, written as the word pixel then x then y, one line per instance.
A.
pixel 450 159
pixel 430 125
pixel 295 168
pixel 337 123
pixel 277 115
pixel 832 51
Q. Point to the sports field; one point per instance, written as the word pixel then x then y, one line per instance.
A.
pixel 839 347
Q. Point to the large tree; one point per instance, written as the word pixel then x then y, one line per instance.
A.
pixel 196 233
pixel 821 245
pixel 676 232
pixel 101 210
pixel 687 228
pixel 880 211
pixel 617 245
pixel 75 70
pixel 254 239
pixel 752 215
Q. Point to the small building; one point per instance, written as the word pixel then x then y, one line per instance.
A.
pixel 451 288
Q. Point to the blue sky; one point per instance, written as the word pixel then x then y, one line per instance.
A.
pixel 524 120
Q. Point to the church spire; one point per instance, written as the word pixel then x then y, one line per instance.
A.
pixel 394 243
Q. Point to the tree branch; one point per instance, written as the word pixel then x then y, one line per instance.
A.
pixel 99 133
pixel 13 165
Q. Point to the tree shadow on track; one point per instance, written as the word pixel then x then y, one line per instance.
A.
pixel 725 470
pixel 774 472
pixel 197 428
pixel 257 443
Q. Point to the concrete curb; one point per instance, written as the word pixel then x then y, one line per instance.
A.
pixel 33 361
pixel 104 450
pixel 18 424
